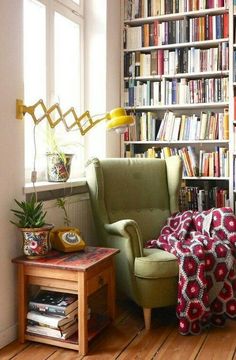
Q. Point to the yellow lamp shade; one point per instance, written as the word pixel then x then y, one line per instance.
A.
pixel 119 120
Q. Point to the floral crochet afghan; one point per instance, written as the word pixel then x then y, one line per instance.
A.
pixel 205 246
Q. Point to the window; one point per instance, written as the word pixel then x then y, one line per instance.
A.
pixel 53 71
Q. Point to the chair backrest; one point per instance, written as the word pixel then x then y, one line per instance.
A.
pixel 145 190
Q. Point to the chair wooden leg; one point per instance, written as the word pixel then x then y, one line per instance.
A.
pixel 147 312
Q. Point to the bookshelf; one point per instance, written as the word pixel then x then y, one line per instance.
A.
pixel 177 63
pixel 233 102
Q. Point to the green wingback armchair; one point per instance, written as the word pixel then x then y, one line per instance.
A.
pixel 131 200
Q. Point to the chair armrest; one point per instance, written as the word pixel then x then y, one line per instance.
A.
pixel 127 229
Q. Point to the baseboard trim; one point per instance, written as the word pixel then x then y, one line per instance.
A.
pixel 8 335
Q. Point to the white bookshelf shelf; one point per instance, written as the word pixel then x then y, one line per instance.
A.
pixel 205 178
pixel 204 74
pixel 177 16
pixel 218 105
pixel 183 142
pixel 199 44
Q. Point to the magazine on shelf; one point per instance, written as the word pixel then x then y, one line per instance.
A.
pixel 52 302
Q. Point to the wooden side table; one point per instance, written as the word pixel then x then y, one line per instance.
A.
pixel 82 273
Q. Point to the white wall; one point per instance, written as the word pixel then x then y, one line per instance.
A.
pixel 11 159
pixel 102 72
pixel 100 79
pixel 113 60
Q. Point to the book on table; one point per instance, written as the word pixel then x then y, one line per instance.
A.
pixel 53 302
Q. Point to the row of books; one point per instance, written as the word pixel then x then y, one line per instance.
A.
pixel 234 69
pixel 234 137
pixel 209 27
pixel 234 174
pixel 172 127
pixel 144 93
pixel 234 116
pixel 212 164
pixel 182 91
pixel 145 128
pixel 207 126
pixel 197 199
pixel 157 33
pixel 204 164
pixel 54 314
pixel 145 8
pixel 170 62
pixel 176 91
pixel 234 33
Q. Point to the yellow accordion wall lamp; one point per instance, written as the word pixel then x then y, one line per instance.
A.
pixel 68 239
pixel 117 119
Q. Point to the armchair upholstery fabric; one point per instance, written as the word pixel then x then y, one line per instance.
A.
pixel 131 200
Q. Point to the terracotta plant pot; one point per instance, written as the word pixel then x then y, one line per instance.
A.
pixel 58 166
pixel 36 241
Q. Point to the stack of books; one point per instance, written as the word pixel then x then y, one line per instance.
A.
pixel 53 314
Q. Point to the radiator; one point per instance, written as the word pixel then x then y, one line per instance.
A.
pixel 79 212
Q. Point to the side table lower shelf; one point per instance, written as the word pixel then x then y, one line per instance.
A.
pixel 95 325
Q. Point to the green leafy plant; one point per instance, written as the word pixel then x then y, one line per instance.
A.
pixel 61 143
pixel 52 141
pixel 61 203
pixel 53 144
pixel 30 214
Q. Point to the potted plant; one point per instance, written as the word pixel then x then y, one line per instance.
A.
pixel 58 162
pixel 31 222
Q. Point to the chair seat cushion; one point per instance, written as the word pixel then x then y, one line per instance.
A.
pixel 155 264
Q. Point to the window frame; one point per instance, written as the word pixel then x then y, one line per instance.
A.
pixel 57 6
pixel 73 12
pixel 73 6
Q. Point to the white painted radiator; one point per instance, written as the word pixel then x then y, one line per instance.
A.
pixel 80 214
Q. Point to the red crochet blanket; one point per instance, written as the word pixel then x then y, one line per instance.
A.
pixel 205 245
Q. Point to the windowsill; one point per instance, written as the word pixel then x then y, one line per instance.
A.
pixel 45 185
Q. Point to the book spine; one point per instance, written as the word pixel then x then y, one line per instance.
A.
pixel 226 25
pixel 226 124
pixel 47 309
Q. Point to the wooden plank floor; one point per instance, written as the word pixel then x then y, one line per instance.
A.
pixel 126 339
